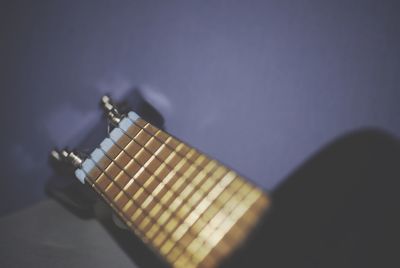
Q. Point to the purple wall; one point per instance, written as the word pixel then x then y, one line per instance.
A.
pixel 259 86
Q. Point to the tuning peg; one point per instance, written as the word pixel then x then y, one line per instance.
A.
pixel 66 156
pixel 111 110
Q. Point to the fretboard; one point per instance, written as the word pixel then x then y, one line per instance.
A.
pixel 189 208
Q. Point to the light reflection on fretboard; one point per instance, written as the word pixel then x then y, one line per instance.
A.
pixel 189 208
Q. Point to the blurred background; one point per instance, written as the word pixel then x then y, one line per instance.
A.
pixel 259 85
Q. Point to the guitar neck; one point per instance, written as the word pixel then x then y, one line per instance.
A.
pixel 192 210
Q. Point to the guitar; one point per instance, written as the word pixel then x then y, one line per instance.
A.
pixel 190 209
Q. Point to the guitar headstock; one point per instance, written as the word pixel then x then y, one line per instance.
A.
pixel 62 186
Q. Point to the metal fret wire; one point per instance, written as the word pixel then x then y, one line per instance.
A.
pixel 189 225
pixel 127 218
pixel 227 223
pixel 209 174
pixel 188 177
pixel 107 198
pixel 131 198
pixel 160 180
pixel 144 210
pixel 116 207
pixel 178 152
pixel 231 197
pixel 201 170
pixel 122 189
pixel 217 226
pixel 209 233
pixel 222 209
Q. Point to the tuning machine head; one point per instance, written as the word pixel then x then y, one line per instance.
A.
pixel 74 159
pixel 66 157
pixel 111 110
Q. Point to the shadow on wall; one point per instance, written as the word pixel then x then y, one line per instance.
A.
pixel 339 209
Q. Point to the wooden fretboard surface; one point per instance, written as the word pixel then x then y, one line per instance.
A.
pixel 190 209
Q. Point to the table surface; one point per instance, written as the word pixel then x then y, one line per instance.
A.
pixel 48 235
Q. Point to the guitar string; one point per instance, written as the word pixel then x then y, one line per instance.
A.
pixel 227 230
pixel 126 217
pixel 177 196
pixel 187 178
pixel 212 202
pixel 171 169
pixel 230 198
pixel 182 155
pixel 151 219
pixel 195 235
